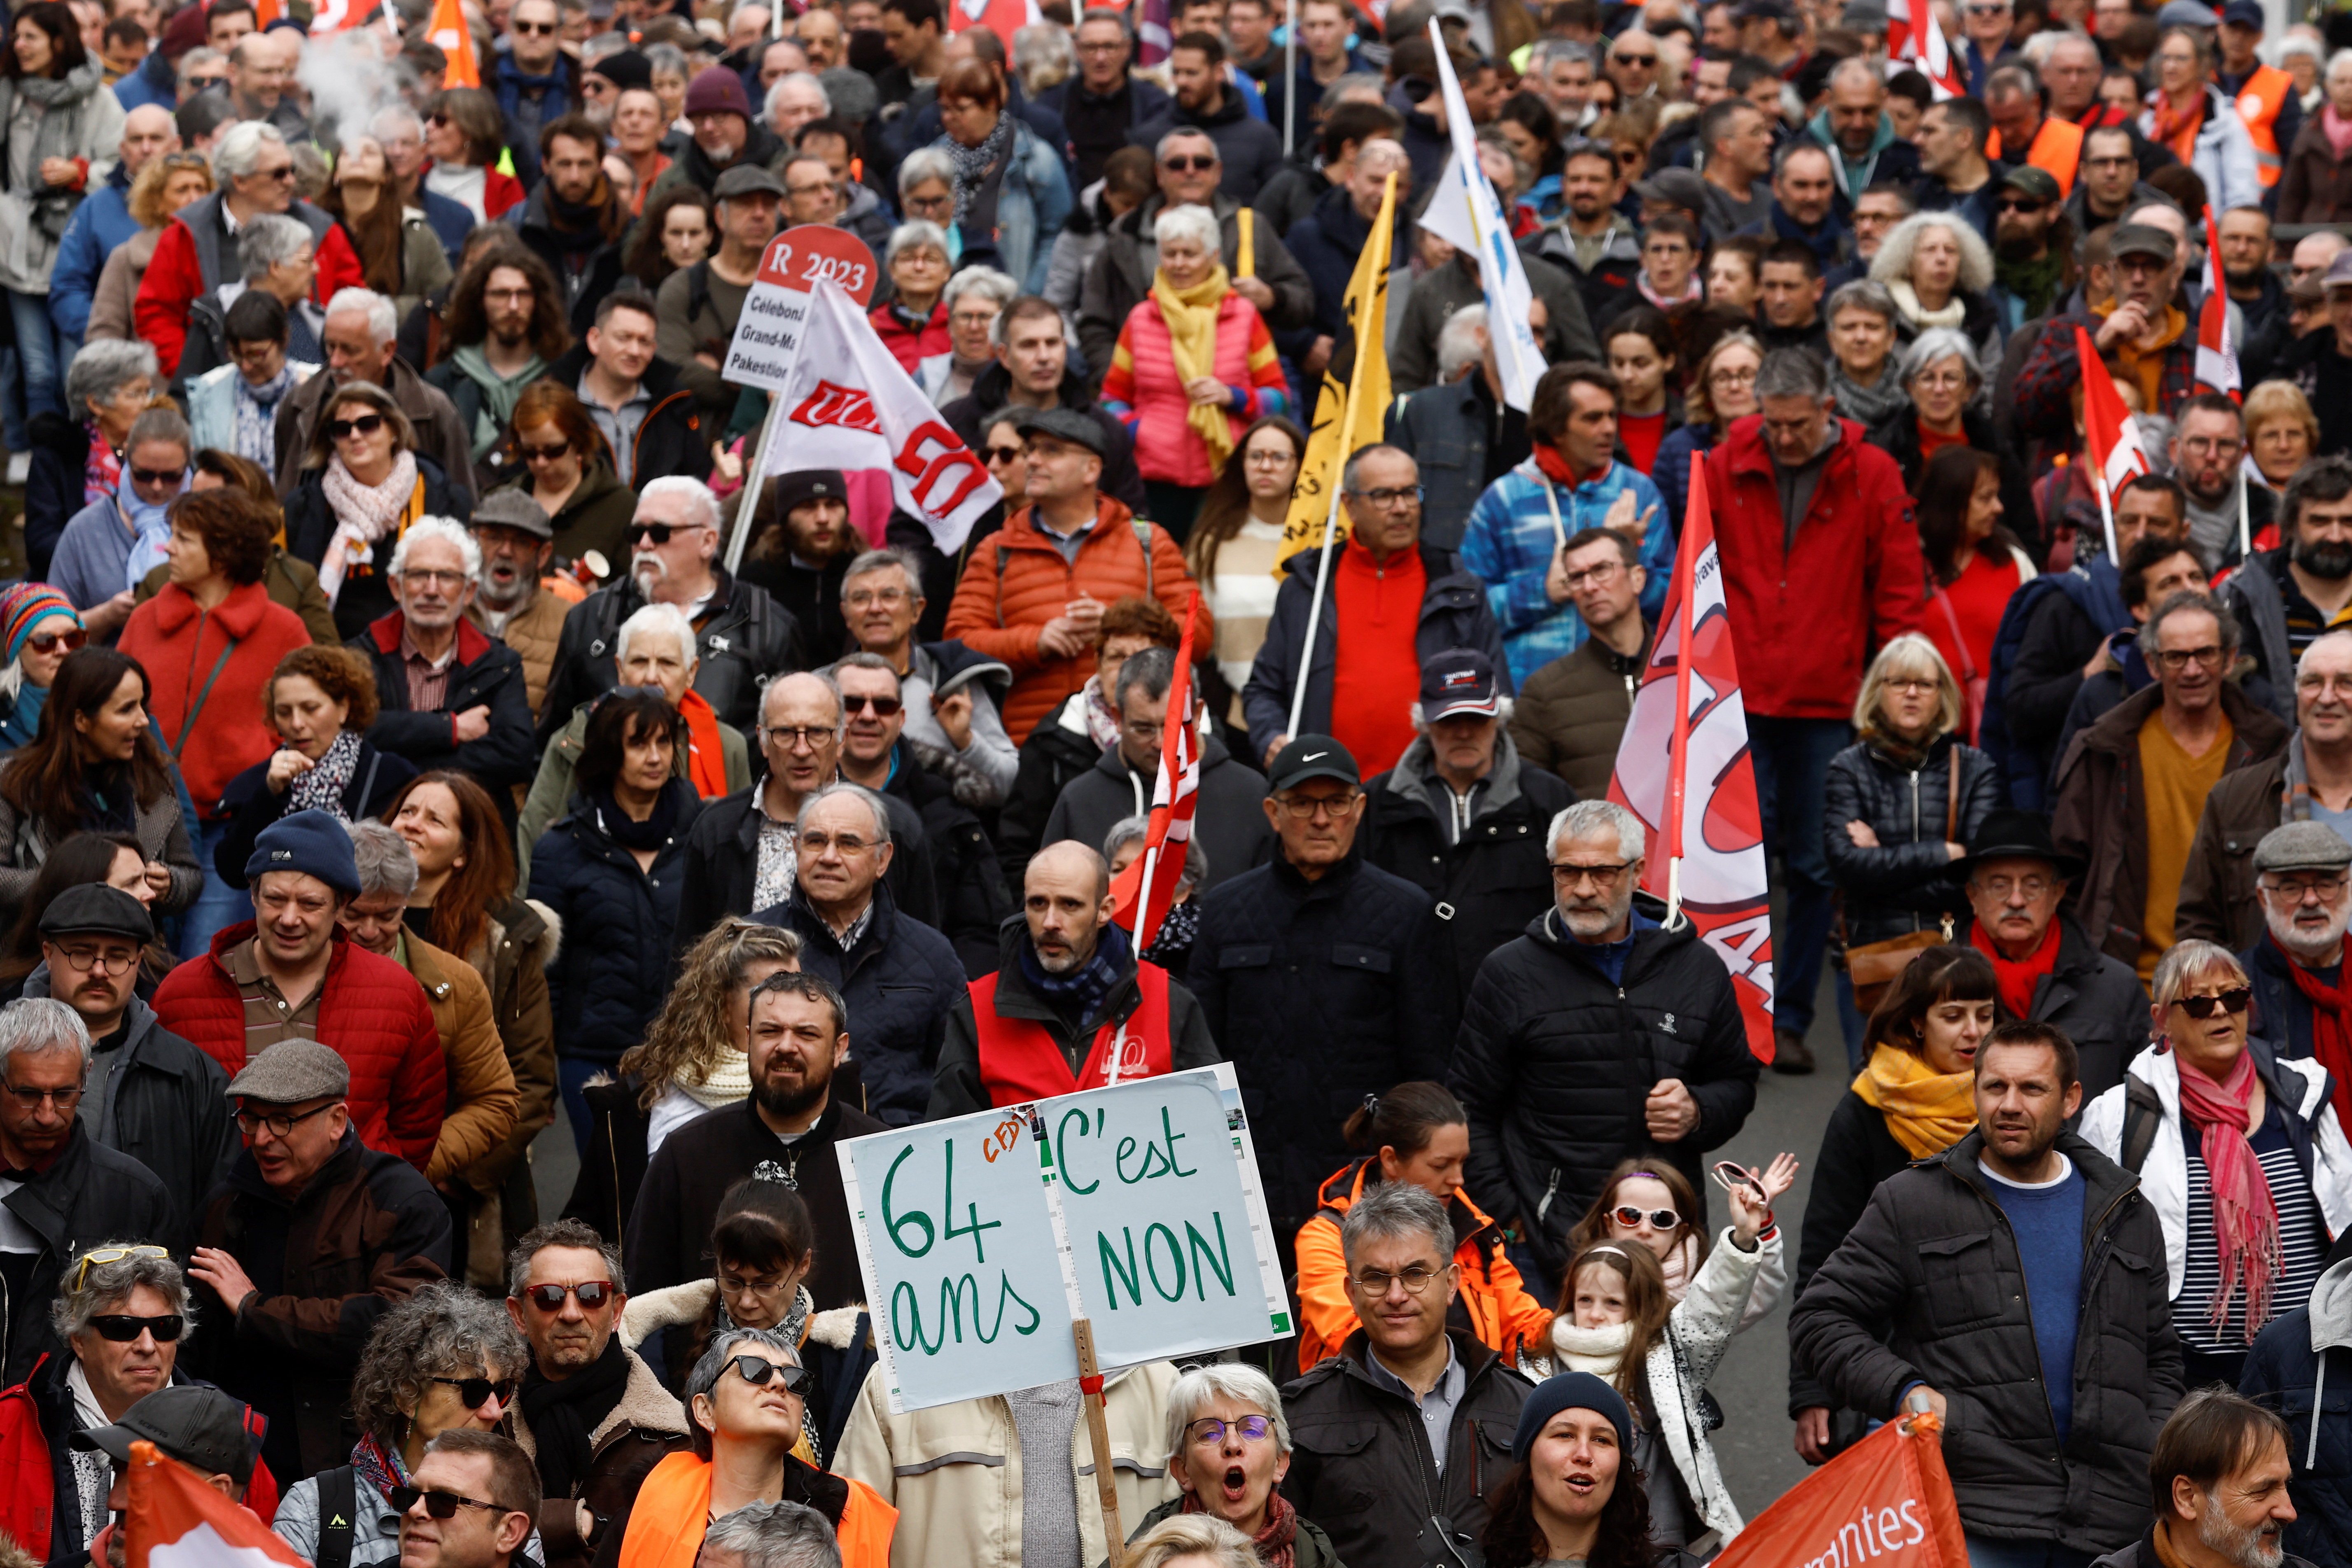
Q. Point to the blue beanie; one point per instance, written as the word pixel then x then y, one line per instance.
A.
pixel 1571 1391
pixel 312 842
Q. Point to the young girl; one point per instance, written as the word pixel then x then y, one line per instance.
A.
pixel 1617 1322
pixel 1650 1202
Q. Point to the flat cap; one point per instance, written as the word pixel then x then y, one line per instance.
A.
pixel 2303 847
pixel 1064 424
pixel 2143 240
pixel 291 1072
pixel 96 908
pixel 746 180
pixel 513 508
pixel 1676 187
pixel 625 68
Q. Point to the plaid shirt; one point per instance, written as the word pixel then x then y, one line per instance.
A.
pixel 2042 410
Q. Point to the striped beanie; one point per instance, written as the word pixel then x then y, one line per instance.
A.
pixel 25 606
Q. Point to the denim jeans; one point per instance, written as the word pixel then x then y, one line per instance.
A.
pixel 38 353
pixel 218 906
pixel 1791 759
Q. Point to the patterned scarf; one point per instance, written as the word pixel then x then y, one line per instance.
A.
pixel 102 469
pixel 973 163
pixel 364 515
pixel 321 788
pixel 378 1466
pixel 1079 994
pixel 1174 939
pixel 1192 317
pixel 2245 1220
pixel 256 415
pixel 1276 1544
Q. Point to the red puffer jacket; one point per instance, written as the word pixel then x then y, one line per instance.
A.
pixel 1810 609
pixel 373 1013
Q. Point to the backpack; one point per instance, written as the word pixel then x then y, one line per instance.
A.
pixel 338 1500
pixel 1142 526
pixel 2143 1114
pixel 2021 769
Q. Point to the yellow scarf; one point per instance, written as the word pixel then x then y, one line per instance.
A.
pixel 1927 1111
pixel 1192 317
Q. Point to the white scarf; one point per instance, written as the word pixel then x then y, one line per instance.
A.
pixel 1906 299
pixel 724 1082
pixel 364 515
pixel 1597 1351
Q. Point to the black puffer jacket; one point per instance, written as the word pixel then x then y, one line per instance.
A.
pixel 1554 1062
pixel 745 640
pixel 1319 993
pixel 1907 882
pixel 1927 1287
pixel 1858 1152
pixel 1493 879
pixel 900 980
pixel 613 971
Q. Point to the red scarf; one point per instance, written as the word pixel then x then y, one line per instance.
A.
pixel 1554 466
pixel 2018 980
pixel 707 759
pixel 2331 1029
pixel 2245 1220
pixel 2177 128
pixel 1277 1544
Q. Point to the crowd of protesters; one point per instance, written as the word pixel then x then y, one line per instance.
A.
pixel 424 727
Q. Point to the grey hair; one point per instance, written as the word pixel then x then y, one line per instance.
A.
pixel 1194 223
pixel 1102 14
pixel 698 494
pixel 776 1535
pixel 1190 1538
pixel 858 792
pixel 1861 294
pixel 1503 706
pixel 925 163
pixel 164 424
pixel 573 1233
pixel 793 78
pixel 1592 815
pixel 449 532
pixel 2185 600
pixel 869 562
pixel 982 280
pixel 658 618
pixel 1462 341
pixel 442 1329
pixel 2181 965
pixel 1130 830
pixel 2296 43
pixel 913 234
pixel 1345 87
pixel 104 368
pixel 1355 459
pixel 268 239
pixel 35 1025
pixel 1941 344
pixel 1186 134
pixel 107 1285
pixel 2340 636
pixel 1234 1381
pixel 383 316
pixel 1396 1209
pixel 725 1346
pixel 863 660
pixel 1792 372
pixel 1039 50
pixel 1893 262
pixel 239 151
pixel 398 114
pixel 202 55
pixel 386 864
pixel 666 58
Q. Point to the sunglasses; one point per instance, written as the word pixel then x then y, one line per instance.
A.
pixel 532 29
pixel 659 532
pixel 1000 454
pixel 884 707
pixel 758 1371
pixel 365 425
pixel 1197 164
pixel 476 1391
pixel 2016 204
pixel 439 1504
pixel 593 1294
pixel 49 642
pixel 155 476
pixel 2234 1000
pixel 1628 1217
pixel 543 454
pixel 105 1254
pixel 122 1329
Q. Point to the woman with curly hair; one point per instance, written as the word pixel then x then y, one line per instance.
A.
pixel 1939 270
pixel 1574 1494
pixel 442 1360
pixel 318 703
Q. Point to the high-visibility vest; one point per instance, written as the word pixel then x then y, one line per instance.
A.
pixel 2057 149
pixel 1019 1059
pixel 2259 102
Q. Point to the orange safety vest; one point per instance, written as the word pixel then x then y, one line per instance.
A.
pixel 2057 149
pixel 673 1509
pixel 2259 102
pixel 1020 1061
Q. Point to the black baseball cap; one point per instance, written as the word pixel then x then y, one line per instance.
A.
pixel 1459 681
pixel 201 1427
pixel 1312 757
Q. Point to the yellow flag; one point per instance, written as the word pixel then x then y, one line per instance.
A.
pixel 1354 400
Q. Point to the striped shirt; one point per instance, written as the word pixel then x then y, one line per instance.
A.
pixel 268 1018
pixel 2303 1241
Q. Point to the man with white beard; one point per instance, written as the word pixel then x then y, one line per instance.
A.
pixel 2223 1481
pixel 2297 968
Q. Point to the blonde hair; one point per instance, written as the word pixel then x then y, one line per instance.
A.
pixel 1184 1536
pixel 1697 408
pixel 2276 400
pixel 1910 655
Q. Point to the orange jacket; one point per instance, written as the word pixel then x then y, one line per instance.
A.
pixel 1492 1301
pixel 673 1509
pixel 1017 580
pixel 203 670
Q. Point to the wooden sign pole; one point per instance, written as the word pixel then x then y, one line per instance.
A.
pixel 1090 1384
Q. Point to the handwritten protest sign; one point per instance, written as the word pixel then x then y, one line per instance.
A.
pixel 984 1238
pixel 767 333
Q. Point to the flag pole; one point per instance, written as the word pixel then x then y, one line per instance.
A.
pixel 1678 735
pixel 2245 523
pixel 1322 576
pixel 753 478
pixel 2106 508
pixel 1290 78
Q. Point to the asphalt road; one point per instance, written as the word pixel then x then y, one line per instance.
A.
pixel 1752 1385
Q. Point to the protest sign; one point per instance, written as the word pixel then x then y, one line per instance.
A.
pixel 767 333
pixel 1134 1208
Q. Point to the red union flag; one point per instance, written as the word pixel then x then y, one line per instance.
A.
pixel 175 1521
pixel 1683 764
pixel 1921 46
pixel 2109 431
pixel 843 405
pixel 2216 357
pixel 1887 1503
pixel 1174 797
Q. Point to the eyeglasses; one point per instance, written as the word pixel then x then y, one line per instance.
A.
pixel 33 1099
pixel 286 174
pixel 106 1255
pixel 2034 888
pixel 1270 457
pixel 1386 499
pixel 659 532
pixel 476 1392
pixel 532 29
pixel 2234 1000
pixel 1000 454
pixel 85 960
pixel 2018 204
pixel 883 707
pixel 758 1371
pixel 1210 1431
pixel 593 1294
pixel 1913 685
pixel 736 1285
pixel 2179 658
pixel 531 454
pixel 49 642
pixel 1623 59
pixel 799 735
pixel 1375 1282
pixel 1731 378
pixel 1594 576
pixel 2295 890
pixel 844 844
pixel 156 476
pixel 280 1122
pixel 1568 876
pixel 123 1330
pixel 1628 1217
pixel 1198 164
pixel 439 1504
pixel 867 598
pixel 1306 808
pixel 365 425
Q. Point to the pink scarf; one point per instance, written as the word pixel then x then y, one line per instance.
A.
pixel 2245 1220
pixel 2337 129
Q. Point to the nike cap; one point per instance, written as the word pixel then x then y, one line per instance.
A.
pixel 1312 757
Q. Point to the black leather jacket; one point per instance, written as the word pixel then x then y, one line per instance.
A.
pixel 746 639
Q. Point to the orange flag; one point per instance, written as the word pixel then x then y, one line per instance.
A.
pixel 1887 1503
pixel 449 34
pixel 176 1514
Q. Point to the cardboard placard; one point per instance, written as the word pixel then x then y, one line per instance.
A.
pixel 767 335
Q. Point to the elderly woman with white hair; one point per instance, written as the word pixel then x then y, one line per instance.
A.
pixel 1195 366
pixel 913 322
pixel 1229 1447
pixel 975 297
pixel 2317 185
pixel 1943 386
pixel 2240 1152
pixel 364 484
pixel 1939 271
pixel 77 460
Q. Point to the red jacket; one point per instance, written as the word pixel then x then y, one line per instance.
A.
pixel 205 670
pixel 911 345
pixel 374 1013
pixel 1806 618
pixel 177 277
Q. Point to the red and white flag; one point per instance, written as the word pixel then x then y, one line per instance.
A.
pixel 175 1521
pixel 1922 46
pixel 2217 356
pixel 1684 764
pixel 1142 905
pixel 2109 431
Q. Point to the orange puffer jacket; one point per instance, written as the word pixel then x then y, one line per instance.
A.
pixel 1018 580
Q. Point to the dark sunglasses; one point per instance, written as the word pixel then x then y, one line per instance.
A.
pixel 659 532
pixel 1660 1219
pixel 532 29
pixel 439 1504
pixel 155 476
pixel 2019 204
pixel 543 454
pixel 122 1329
pixel 2234 1000
pixel 49 642
pixel 476 1392
pixel 1000 454
pixel 1197 162
pixel 593 1294
pixel 758 1369
pixel 884 707
pixel 365 425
